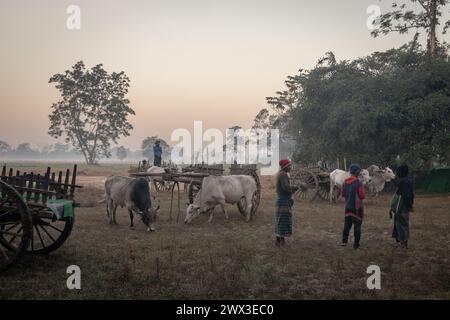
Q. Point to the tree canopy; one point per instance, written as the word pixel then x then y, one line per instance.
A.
pixel 425 17
pixel 4 146
pixel 93 109
pixel 386 107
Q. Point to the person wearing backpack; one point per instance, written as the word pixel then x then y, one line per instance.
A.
pixel 353 192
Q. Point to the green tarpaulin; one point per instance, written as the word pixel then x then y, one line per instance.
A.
pixel 61 208
pixel 438 180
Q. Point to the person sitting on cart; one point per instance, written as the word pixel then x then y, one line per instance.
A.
pixel 157 151
pixel 322 165
pixel 353 192
pixel 145 165
pixel 284 202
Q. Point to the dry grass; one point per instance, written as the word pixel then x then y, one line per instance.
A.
pixel 234 259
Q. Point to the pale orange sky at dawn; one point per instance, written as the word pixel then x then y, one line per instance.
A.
pixel 214 61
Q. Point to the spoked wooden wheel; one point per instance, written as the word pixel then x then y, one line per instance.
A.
pixel 307 183
pixel 159 185
pixel 49 234
pixel 15 226
pixel 324 188
pixel 193 189
pixel 324 192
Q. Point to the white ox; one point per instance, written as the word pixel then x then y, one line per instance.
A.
pixel 338 177
pixel 155 169
pixel 219 190
pixel 379 177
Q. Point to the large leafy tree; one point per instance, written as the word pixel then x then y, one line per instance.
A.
pixel 278 114
pixel 93 109
pixel 419 15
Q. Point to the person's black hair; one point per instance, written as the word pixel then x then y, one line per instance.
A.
pixel 402 171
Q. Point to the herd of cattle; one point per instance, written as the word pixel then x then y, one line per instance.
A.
pixel 135 194
pixel 373 178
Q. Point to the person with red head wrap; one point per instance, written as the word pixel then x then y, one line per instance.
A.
pixel 284 202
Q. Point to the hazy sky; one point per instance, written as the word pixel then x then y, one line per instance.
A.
pixel 207 60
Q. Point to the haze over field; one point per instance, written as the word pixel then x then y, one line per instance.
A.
pixel 214 61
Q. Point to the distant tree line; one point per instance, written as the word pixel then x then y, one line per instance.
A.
pixel 63 151
pixel 26 151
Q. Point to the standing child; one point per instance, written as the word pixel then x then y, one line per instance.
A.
pixel 284 203
pixel 353 192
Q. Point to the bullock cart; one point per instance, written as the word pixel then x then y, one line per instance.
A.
pixel 313 183
pixel 158 183
pixel 193 177
pixel 36 212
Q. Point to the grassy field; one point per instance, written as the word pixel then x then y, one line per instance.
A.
pixel 235 259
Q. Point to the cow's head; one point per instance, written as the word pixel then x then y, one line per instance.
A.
pixel 143 204
pixel 149 216
pixel 194 209
pixel 146 217
pixel 364 176
pixel 192 212
pixel 388 174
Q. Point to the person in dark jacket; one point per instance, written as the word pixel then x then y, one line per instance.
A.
pixel 353 192
pixel 157 152
pixel 284 202
pixel 405 206
pixel 144 165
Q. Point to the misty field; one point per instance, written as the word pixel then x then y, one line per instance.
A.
pixel 234 259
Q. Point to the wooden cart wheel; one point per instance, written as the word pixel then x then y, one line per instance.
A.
pixel 193 189
pixel 49 234
pixel 256 197
pixel 15 226
pixel 159 185
pixel 308 185
pixel 324 192
pixel 324 188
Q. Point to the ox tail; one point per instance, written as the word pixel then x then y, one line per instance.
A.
pixel 103 200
